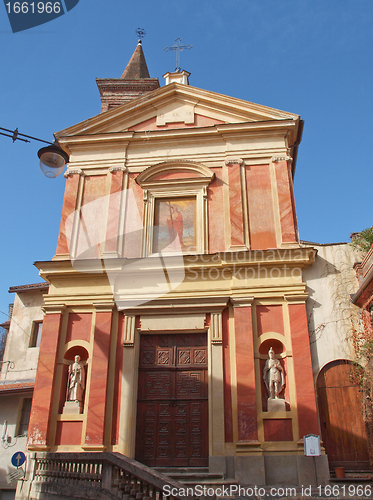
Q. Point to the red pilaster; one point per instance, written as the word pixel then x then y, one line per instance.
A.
pixel 118 380
pixel 246 392
pixel 286 202
pixel 305 391
pixel 44 383
pixel 216 214
pixel 235 204
pixel 94 438
pixel 69 204
pixel 228 418
pixel 111 243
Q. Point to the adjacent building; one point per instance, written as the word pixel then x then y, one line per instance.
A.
pixel 334 323
pixel 17 378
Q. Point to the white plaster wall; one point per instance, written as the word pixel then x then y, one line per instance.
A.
pixel 27 308
pixel 332 317
pixel 10 409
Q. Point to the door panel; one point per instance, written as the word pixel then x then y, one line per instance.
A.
pixel 172 423
pixel 155 385
pixel 190 384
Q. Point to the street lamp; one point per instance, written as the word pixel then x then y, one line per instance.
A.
pixel 52 158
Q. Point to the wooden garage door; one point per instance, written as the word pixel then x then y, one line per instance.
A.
pixel 172 419
pixel 341 419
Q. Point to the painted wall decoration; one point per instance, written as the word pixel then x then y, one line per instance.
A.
pixel 174 225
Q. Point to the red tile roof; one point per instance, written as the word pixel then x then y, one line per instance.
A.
pixel 33 286
pixel 16 387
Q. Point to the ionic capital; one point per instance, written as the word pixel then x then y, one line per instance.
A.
pixel 118 168
pixel 276 159
pixel 234 161
pixel 73 171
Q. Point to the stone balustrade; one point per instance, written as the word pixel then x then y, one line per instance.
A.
pixel 93 476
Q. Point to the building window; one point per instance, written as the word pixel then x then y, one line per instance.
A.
pixel 37 327
pixel 25 417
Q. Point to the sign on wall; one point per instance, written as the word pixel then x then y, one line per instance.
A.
pixel 312 446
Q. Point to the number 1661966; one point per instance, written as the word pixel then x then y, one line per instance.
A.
pixel 34 7
pixel 351 490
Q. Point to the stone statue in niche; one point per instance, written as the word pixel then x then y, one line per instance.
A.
pixel 75 387
pixel 273 376
pixel 76 381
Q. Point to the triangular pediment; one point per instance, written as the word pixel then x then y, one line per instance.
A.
pixel 176 106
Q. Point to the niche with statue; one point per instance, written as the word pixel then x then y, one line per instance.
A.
pixel 74 378
pixel 273 369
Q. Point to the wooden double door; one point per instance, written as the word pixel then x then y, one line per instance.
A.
pixel 341 420
pixel 172 406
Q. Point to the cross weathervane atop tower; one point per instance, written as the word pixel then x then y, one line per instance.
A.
pixel 140 32
pixel 177 47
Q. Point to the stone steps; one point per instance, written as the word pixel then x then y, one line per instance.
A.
pixel 198 476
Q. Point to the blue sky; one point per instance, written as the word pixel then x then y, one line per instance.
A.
pixel 311 57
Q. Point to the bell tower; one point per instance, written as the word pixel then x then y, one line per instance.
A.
pixel 134 82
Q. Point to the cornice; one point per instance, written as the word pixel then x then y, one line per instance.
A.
pixel 53 308
pixel 176 305
pixel 96 138
pixel 104 306
pixel 296 257
pixel 299 298
pixel 225 131
pixel 228 130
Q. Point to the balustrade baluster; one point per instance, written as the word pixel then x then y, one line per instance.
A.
pixel 146 491
pixel 97 470
pixel 140 490
pixel 67 472
pixel 77 472
pixel 41 467
pixel 151 491
pixel 47 469
pixel 83 474
pixel 115 480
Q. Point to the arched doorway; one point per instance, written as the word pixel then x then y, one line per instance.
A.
pixel 341 419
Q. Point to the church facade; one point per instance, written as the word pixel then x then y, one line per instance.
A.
pixel 175 328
